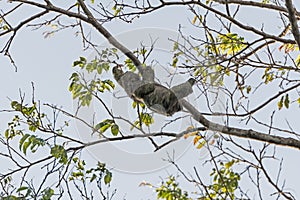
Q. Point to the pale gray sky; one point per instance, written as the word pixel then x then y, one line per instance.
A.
pixel 48 63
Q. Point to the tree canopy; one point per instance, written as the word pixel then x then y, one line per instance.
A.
pixel 227 83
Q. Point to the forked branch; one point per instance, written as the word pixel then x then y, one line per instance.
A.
pixel 250 134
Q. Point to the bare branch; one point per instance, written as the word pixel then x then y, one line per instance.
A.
pixel 292 17
pixel 256 4
pixel 251 134
pixel 109 36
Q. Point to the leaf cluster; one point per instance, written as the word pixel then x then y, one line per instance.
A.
pixel 170 190
pixel 144 118
pixel 225 182
pixel 25 193
pixel 33 122
pixel 93 174
pixel 105 125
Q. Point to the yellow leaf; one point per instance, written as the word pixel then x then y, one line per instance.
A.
pixel 201 144
pixel 185 136
pixel 280 103
pixel 196 139
pixel 191 133
pixel 144 183
pixel 229 164
pixel 298 61
pixel 195 19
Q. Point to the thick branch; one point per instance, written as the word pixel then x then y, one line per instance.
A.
pixel 290 142
pixel 292 17
pixel 109 37
pixel 90 19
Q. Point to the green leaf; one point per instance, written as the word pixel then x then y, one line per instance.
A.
pixel 33 127
pixel 99 69
pixel 142 105
pixel 74 76
pixel 93 177
pixel 16 106
pixel 98 126
pixel 31 141
pixel 104 125
pixel 174 62
pixel 77 174
pixel 147 119
pixel 22 188
pixel 22 140
pixel 47 194
pixel 107 177
pixel 82 59
pixel 134 104
pixel 117 10
pixel 110 83
pixel 80 165
pixel 60 153
pixel 143 51
pixel 81 62
pixel 280 103
pixel 229 164
pixel 287 101
pixel 25 146
pixel 248 89
pixel 175 46
pixel 6 133
pixel 114 129
pixel 104 128
pixel 135 124
pixel 105 66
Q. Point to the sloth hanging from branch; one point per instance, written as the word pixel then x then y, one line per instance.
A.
pixel 155 96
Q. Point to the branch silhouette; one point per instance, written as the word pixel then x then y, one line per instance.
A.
pixel 209 125
pixel 251 134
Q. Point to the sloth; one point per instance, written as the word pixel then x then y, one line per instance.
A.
pixel 155 96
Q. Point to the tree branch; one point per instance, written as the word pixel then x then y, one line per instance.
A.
pixel 217 12
pixel 14 30
pixel 251 134
pixel 175 136
pixel 109 36
pixel 292 17
pixel 262 105
pixel 90 19
pixel 255 4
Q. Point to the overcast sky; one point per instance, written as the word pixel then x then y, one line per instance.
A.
pixel 47 62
